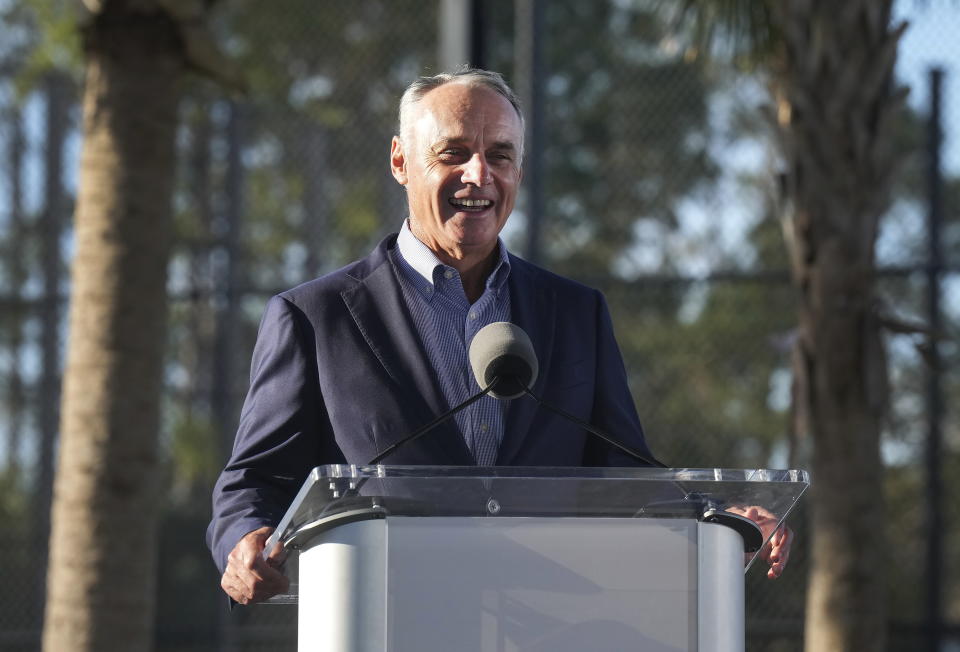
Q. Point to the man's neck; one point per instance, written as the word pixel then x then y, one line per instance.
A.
pixel 473 265
pixel 474 272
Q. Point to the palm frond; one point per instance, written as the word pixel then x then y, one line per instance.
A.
pixel 742 30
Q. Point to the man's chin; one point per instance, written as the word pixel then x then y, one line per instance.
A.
pixel 465 217
pixel 475 238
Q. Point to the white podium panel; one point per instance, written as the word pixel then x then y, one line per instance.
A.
pixel 482 584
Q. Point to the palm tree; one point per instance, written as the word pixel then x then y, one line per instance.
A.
pixel 106 496
pixel 830 71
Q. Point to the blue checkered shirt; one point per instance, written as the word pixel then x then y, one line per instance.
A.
pixel 446 324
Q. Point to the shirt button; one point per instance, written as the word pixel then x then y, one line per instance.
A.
pixel 448 274
pixel 430 289
pixel 484 427
pixel 473 315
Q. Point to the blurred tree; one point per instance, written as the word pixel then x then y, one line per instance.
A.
pixel 831 76
pixel 103 543
pixel 624 147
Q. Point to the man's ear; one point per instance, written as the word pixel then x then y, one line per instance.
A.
pixel 398 161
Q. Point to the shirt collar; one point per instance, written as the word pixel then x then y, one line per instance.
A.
pixel 424 262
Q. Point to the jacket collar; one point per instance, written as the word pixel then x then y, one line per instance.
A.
pixel 377 306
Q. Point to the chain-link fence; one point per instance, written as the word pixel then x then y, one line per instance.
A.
pixel 655 188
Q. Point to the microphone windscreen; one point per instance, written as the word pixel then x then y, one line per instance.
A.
pixel 502 352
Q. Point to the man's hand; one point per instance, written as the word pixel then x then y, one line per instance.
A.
pixel 249 577
pixel 776 552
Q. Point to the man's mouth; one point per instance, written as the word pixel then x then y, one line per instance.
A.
pixel 471 205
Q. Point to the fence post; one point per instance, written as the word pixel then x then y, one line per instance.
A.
pixel 934 270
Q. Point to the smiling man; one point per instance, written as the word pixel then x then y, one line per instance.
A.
pixel 459 155
pixel 348 364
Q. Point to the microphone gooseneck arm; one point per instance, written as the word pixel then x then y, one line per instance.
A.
pixel 635 454
pixel 417 434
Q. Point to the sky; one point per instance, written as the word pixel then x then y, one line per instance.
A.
pixel 933 39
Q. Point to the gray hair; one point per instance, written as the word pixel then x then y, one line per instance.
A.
pixel 470 76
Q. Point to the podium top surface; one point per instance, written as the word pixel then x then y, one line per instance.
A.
pixel 338 493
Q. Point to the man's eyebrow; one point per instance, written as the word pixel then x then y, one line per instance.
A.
pixel 446 142
pixel 504 144
pixel 457 140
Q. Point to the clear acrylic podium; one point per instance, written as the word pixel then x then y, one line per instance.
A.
pixel 503 559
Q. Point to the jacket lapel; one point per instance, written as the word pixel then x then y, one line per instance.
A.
pixel 380 312
pixel 533 308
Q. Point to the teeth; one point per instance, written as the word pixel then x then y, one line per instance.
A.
pixel 471 203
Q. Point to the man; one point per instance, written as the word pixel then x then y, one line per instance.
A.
pixel 350 363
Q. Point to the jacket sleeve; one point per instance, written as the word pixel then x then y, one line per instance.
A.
pixel 282 434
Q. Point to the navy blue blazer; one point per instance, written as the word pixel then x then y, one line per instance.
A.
pixel 339 374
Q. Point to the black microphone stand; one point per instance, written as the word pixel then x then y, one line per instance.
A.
pixel 652 461
pixel 433 424
pixel 354 489
pixel 699 506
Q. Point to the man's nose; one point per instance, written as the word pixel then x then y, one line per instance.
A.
pixel 476 171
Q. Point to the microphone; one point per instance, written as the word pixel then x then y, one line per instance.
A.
pixel 504 365
pixel 503 358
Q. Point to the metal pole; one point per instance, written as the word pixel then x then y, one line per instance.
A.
pixel 530 73
pixel 227 230
pixel 934 502
pixel 478 34
pixel 454 46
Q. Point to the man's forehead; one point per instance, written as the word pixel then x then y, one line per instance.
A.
pixel 456 114
pixel 464 96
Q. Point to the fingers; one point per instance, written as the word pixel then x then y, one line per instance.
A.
pixel 277 555
pixel 779 551
pixel 249 577
pixel 762 517
pixel 776 551
pixel 253 583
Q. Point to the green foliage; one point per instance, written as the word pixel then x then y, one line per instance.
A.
pixel 356 215
pixel 14 500
pixel 627 133
pixel 742 32
pixel 52 41
pixel 321 116
pixel 711 390
pixel 194 454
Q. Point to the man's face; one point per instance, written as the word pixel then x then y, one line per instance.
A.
pixel 460 162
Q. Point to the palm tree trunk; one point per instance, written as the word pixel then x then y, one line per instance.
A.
pixel 837 106
pixel 103 541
